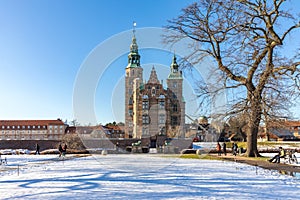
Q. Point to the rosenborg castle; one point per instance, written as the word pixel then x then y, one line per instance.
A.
pixel 151 109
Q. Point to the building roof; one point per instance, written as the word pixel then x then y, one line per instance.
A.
pixel 116 128
pixel 30 122
pixel 284 123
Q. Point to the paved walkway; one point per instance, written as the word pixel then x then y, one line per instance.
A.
pixel 261 163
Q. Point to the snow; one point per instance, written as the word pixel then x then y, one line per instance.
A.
pixel 139 176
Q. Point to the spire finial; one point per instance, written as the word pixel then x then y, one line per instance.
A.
pixel 133 28
pixel 174 57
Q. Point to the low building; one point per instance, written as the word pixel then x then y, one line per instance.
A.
pixel 281 130
pixel 116 131
pixel 32 129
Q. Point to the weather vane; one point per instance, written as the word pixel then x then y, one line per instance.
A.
pixel 134 25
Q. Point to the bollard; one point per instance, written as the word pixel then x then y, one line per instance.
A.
pixel 104 152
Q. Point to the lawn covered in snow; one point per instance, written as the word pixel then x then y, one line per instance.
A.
pixel 139 176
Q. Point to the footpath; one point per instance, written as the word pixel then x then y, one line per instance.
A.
pixel 260 163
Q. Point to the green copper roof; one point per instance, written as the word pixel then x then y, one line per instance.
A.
pixel 175 76
pixel 174 73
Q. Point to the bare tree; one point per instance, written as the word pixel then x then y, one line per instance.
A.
pixel 244 40
pixel 237 125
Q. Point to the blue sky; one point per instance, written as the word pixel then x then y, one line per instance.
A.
pixel 44 43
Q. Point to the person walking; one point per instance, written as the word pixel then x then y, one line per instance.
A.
pixel 64 150
pixel 37 151
pixel 224 149
pixel 60 149
pixel 218 148
pixel 234 149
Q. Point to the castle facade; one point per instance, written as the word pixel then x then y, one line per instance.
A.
pixel 151 109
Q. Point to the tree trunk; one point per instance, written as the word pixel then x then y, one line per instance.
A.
pixel 252 150
pixel 252 133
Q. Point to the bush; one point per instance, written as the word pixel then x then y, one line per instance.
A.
pixel 73 141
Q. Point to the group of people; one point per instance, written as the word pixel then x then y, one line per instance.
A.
pixel 62 150
pixel 219 149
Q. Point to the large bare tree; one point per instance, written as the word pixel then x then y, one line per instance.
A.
pixel 244 40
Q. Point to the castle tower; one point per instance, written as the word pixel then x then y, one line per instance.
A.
pixel 177 112
pixel 133 80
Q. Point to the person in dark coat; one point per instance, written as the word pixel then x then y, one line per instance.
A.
pixel 64 150
pixel 234 149
pixel 37 151
pixel 218 148
pixel 224 149
pixel 60 149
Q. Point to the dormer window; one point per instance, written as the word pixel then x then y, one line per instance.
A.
pixel 153 91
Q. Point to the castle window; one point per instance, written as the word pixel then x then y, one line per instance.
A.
pixel 174 120
pixel 161 96
pixel 130 112
pixel 174 96
pixel 145 105
pixel 145 119
pixel 130 101
pixel 145 131
pixel 145 97
pixel 162 119
pixel 175 85
pixel 161 105
pixel 175 108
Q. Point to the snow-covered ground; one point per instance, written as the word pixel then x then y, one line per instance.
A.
pixel 139 176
